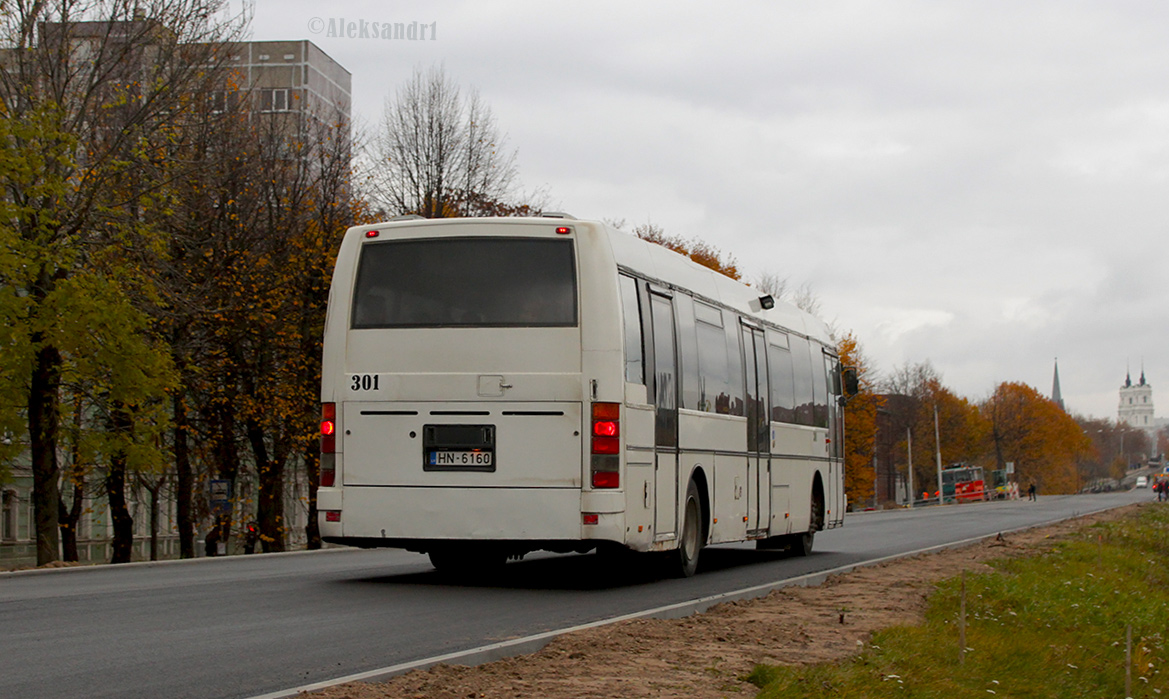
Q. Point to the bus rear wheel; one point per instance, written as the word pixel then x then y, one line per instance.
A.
pixel 684 559
pixel 801 544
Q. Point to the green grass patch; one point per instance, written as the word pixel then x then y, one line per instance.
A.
pixel 1052 625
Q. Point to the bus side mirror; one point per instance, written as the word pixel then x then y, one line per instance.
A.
pixel 851 383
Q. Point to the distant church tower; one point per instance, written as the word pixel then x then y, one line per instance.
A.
pixel 1136 403
pixel 1056 395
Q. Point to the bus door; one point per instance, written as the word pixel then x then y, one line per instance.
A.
pixel 758 430
pixel 665 391
pixel 836 503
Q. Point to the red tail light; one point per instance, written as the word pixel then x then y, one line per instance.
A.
pixel 606 479
pixel 328 445
pixel 606 445
pixel 328 428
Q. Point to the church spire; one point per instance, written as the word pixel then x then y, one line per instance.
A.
pixel 1056 395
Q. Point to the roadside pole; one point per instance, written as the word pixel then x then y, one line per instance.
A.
pixel 938 451
pixel 912 492
pixel 875 501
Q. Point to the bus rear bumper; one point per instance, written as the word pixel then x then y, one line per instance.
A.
pixel 392 514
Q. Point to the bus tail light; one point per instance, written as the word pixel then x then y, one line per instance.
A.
pixel 328 445
pixel 328 428
pixel 606 445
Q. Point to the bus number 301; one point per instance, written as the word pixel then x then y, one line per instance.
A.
pixel 364 382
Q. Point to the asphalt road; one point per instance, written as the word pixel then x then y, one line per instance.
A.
pixel 249 625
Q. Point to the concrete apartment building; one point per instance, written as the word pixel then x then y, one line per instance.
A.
pixel 300 80
pixel 294 76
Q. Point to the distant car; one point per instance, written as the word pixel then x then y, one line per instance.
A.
pixel 1142 481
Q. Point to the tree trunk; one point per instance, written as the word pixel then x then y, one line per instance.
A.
pixel 123 542
pixel 43 422
pixel 270 506
pixel 69 519
pixel 185 480
pixel 227 465
pixel 312 461
pixel 154 516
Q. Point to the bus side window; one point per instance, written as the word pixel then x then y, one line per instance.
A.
pixel 634 344
pixel 802 378
pixel 735 354
pixel 783 392
pixel 713 373
pixel 820 388
pixel 688 348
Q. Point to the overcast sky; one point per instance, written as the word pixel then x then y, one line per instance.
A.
pixel 977 184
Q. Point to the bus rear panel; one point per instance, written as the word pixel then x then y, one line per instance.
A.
pixel 454 367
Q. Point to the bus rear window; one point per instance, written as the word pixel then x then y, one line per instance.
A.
pixel 466 282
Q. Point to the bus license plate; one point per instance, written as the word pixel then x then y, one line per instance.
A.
pixel 460 458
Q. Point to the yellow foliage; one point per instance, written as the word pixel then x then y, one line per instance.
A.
pixel 860 424
pixel 1043 441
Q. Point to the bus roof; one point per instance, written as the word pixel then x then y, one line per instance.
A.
pixel 659 264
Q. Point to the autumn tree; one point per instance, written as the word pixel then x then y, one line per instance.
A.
pixel 860 424
pixel 439 153
pixel 1034 433
pixel 935 421
pixel 1105 457
pixel 83 87
pixel 700 251
pixel 254 233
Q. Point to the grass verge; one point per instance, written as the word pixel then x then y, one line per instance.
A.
pixel 1052 625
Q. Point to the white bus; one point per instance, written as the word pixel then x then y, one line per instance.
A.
pixel 498 386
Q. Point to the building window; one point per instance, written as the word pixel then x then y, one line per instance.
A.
pixel 274 100
pixel 223 100
pixel 8 517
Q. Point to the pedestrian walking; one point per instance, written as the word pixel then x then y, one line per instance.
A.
pixel 1031 492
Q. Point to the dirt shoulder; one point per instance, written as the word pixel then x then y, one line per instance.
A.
pixel 707 655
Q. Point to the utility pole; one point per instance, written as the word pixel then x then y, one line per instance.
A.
pixel 875 500
pixel 909 441
pixel 938 451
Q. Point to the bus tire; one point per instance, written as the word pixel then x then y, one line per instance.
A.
pixel 684 559
pixel 801 544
